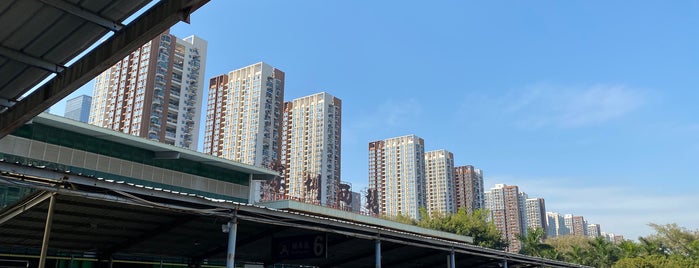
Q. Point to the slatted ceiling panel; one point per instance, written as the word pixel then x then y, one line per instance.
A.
pixel 37 22
pixel 118 11
pixel 24 77
pixel 77 32
pixel 95 6
pixel 4 5
pixel 8 71
pixel 50 17
pixel 25 80
pixel 15 16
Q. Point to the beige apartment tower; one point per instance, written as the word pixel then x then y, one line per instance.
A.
pixel 311 149
pixel 244 115
pixel 439 176
pixel 155 92
pixel 397 176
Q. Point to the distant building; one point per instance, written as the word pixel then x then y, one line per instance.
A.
pixel 568 222
pixel 579 226
pixel 439 175
pixel 155 92
pixel 523 211
pixel 618 239
pixel 535 209
pixel 468 188
pixel 244 115
pixel 397 176
pixel 555 225
pixel 503 203
pixel 356 202
pixel 594 230
pixel 311 149
pixel 78 108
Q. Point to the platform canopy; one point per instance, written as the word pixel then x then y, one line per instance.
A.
pixel 105 220
pixel 40 38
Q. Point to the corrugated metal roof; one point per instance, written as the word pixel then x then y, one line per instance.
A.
pixel 134 222
pixel 38 38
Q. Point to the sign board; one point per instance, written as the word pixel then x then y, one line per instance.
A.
pixel 300 247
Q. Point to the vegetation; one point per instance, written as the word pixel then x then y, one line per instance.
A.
pixel 670 246
pixel 474 225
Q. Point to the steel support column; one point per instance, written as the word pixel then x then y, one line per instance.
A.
pixel 451 259
pixel 47 232
pixel 251 191
pixel 232 233
pixel 377 260
pixel 504 263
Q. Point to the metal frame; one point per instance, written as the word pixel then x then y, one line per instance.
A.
pixel 153 22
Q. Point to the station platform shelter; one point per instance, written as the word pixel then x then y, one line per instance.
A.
pixel 76 195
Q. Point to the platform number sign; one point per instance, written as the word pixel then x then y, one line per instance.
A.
pixel 300 247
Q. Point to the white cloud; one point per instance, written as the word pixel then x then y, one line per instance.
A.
pixel 546 105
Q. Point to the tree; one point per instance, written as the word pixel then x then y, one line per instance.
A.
pixel 677 240
pixel 602 253
pixel 475 225
pixel 532 243
pixel 650 261
pixel 629 249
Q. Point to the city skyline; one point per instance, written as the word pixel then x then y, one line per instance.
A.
pixel 596 116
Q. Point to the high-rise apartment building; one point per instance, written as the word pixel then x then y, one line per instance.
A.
pixel 579 226
pixel 535 211
pixel 244 115
pixel 523 211
pixel 568 222
pixel 311 150
pixel 397 176
pixel 439 176
pixel 155 92
pixel 555 225
pixel 468 188
pixel 503 203
pixel 594 230
pixel 78 108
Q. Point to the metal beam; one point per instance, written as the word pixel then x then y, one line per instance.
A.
pixel 47 232
pixel 27 204
pixel 84 14
pixel 31 60
pixel 146 27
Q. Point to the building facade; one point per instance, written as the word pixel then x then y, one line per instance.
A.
pixel 244 115
pixel 155 92
pixel 579 226
pixel 397 176
pixel 594 230
pixel 468 188
pixel 78 108
pixel 535 210
pixel 439 176
pixel 311 150
pixel 503 203
pixel 555 225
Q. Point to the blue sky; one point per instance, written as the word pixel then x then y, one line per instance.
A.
pixel 591 105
